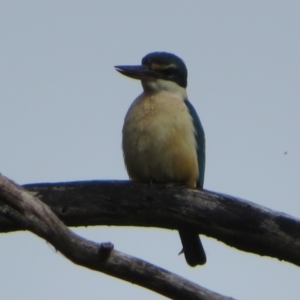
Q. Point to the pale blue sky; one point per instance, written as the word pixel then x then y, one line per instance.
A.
pixel 62 110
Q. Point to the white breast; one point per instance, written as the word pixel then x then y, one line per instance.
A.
pixel 158 140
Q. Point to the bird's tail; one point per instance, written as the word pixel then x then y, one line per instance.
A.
pixel 192 247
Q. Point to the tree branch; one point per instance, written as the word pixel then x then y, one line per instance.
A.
pixel 238 223
pixel 31 213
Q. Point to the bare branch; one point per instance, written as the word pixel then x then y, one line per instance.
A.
pixel 31 213
pixel 238 223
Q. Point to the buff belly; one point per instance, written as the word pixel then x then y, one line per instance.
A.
pixel 158 140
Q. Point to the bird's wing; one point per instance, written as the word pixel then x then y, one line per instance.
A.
pixel 200 140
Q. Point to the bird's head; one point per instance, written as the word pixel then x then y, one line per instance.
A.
pixel 158 71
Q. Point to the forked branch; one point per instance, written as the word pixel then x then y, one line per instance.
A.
pixel 29 212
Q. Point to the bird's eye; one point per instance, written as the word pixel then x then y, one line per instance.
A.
pixel 169 72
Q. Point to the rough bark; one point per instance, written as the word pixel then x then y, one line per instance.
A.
pixel 236 222
pixel 30 213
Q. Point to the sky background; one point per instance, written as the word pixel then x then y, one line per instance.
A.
pixel 62 110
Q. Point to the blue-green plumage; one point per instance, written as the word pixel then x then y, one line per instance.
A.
pixel 192 246
pixel 200 141
pixel 163 139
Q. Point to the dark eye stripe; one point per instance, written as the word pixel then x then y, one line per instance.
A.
pixel 168 72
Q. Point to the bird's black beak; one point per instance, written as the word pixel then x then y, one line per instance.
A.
pixel 137 72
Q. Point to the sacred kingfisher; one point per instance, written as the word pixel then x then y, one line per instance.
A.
pixel 163 139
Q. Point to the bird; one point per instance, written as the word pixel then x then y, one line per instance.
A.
pixel 163 140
